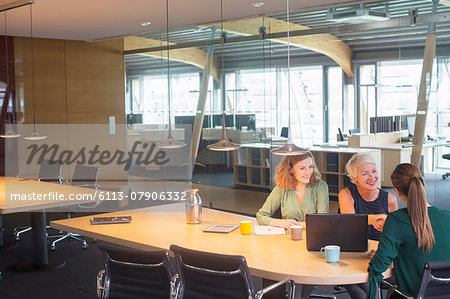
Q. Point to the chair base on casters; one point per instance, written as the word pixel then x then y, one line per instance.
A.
pixel 20 230
pixel 69 236
pixel 23 229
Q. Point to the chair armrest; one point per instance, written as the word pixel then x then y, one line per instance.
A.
pixel 94 185
pixel 267 289
pixel 101 283
pixel 28 176
pixel 175 287
pixel 60 179
pixel 395 289
pixel 89 205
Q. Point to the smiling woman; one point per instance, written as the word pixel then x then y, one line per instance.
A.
pixel 299 191
pixel 364 196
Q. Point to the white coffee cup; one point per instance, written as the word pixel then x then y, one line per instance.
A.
pixel 296 232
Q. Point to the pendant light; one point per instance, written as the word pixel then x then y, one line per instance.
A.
pixel 223 144
pixel 9 131
pixel 170 142
pixel 289 149
pixel 34 135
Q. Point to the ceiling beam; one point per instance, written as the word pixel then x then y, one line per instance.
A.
pixel 325 43
pixel 191 56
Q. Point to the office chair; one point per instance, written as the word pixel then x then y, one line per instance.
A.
pixel 49 171
pixel 83 176
pixel 284 132
pixel 446 175
pixel 131 273
pixel 435 282
pixel 203 275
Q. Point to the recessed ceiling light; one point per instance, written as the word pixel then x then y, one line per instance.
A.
pixel 257 4
pixel 143 24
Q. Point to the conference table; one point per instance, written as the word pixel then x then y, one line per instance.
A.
pixel 272 257
pixel 21 195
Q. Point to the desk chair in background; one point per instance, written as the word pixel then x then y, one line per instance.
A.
pixel 83 176
pixel 48 172
pixel 447 174
pixel 203 275
pixel 131 273
pixel 435 282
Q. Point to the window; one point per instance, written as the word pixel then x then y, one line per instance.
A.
pixel 335 111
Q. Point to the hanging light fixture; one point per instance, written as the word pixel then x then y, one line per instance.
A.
pixel 34 135
pixel 223 144
pixel 9 131
pixel 170 142
pixel 289 149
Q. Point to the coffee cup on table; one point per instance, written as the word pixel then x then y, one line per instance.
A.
pixel 245 227
pixel 331 253
pixel 296 232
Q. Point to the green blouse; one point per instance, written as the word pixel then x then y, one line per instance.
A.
pixel 315 201
pixel 398 243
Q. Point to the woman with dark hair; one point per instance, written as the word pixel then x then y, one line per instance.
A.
pixel 411 236
pixel 299 191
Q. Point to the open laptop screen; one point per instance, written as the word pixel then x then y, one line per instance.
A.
pixel 349 231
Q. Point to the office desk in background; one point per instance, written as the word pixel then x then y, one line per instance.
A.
pixel 10 186
pixel 273 257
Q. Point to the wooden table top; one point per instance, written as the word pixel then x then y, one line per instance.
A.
pixel 20 195
pixel 273 257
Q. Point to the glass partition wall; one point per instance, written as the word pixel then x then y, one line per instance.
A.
pixel 345 75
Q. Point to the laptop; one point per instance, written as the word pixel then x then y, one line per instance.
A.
pixel 349 231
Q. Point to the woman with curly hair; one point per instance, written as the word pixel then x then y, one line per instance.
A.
pixel 299 191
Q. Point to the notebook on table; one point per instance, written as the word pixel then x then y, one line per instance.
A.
pixel 349 231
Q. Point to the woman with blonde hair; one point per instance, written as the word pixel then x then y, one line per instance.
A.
pixel 299 191
pixel 364 197
pixel 411 236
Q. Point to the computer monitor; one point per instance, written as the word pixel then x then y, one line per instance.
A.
pixel 410 124
pixel 189 120
pixel 251 125
pixel 218 120
pixel 134 118
pixel 242 120
pixel 354 131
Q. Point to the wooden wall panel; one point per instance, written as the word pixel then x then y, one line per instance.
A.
pixel 75 83
pixel 95 81
pixel 49 80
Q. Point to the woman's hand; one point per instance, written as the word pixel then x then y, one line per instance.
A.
pixel 284 223
pixel 377 220
pixel 371 254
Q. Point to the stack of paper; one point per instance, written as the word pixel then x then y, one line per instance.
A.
pixel 269 230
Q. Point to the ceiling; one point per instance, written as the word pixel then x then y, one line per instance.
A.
pixel 367 44
pixel 92 20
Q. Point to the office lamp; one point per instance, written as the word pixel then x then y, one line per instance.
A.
pixel 223 144
pixel 34 136
pixel 289 149
pixel 170 142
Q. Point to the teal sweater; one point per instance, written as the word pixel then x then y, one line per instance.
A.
pixel 398 243
pixel 315 201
